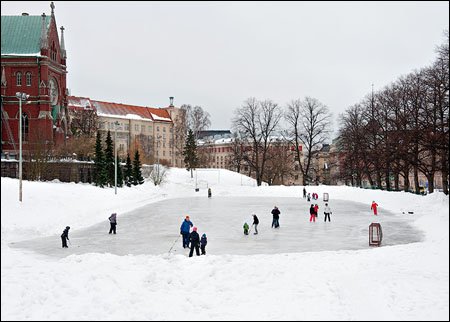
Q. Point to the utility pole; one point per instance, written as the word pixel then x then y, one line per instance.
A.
pixel 21 97
pixel 115 156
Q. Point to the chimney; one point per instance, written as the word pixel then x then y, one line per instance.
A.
pixel 25 14
pixel 171 101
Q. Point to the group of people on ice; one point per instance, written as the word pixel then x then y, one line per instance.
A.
pixel 192 238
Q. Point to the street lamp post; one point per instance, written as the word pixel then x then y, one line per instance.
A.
pixel 21 97
pixel 115 156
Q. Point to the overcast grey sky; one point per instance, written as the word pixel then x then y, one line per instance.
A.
pixel 218 54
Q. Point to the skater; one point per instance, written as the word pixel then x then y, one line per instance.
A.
pixel 255 223
pixel 209 192
pixel 194 238
pixel 203 242
pixel 312 214
pixel 308 197
pixel 316 209
pixel 374 208
pixel 327 212
pixel 64 236
pixel 304 192
pixel 185 230
pixel 113 223
pixel 275 217
pixel 246 228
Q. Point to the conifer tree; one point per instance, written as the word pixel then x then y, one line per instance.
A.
pixel 128 177
pixel 100 173
pixel 109 159
pixel 137 174
pixel 190 153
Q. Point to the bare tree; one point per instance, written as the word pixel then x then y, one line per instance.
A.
pixel 257 121
pixel 309 125
pixel 196 119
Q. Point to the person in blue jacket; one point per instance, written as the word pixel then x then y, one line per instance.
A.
pixel 185 230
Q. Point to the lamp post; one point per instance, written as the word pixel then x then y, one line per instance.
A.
pixel 115 156
pixel 21 97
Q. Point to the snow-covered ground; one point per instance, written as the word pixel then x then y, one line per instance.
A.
pixel 405 279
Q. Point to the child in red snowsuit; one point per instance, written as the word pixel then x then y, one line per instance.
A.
pixel 312 214
pixel 374 208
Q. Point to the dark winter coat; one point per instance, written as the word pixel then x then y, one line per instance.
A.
pixel 255 220
pixel 203 240
pixel 276 213
pixel 186 226
pixel 65 233
pixel 113 219
pixel 194 238
pixel 312 211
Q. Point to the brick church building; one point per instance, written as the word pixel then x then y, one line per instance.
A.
pixel 33 62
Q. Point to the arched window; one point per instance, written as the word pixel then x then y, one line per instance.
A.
pixel 53 51
pixel 25 127
pixel 28 76
pixel 19 79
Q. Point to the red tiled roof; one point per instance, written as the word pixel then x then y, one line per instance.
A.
pixel 121 110
pixel 76 103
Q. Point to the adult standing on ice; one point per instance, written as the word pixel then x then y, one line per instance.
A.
pixel 113 223
pixel 194 238
pixel 185 229
pixel 255 223
pixel 374 207
pixel 275 217
pixel 327 212
pixel 304 192
pixel 65 237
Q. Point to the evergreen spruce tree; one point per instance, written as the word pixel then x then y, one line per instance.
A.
pixel 109 160
pixel 119 173
pixel 100 173
pixel 190 153
pixel 137 174
pixel 128 176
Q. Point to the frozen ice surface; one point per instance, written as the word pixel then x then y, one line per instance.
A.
pixel 155 228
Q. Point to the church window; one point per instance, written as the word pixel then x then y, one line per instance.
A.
pixel 28 76
pixel 19 79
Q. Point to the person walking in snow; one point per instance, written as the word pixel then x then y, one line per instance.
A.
pixel 209 193
pixel 246 228
pixel 194 238
pixel 308 197
pixel 275 217
pixel 65 237
pixel 203 242
pixel 113 223
pixel 255 223
pixel 327 212
pixel 312 214
pixel 316 209
pixel 185 229
pixel 304 192
pixel 374 208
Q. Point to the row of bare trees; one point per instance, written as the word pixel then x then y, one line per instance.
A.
pixel 399 130
pixel 266 133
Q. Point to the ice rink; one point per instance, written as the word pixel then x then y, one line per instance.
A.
pixel 154 228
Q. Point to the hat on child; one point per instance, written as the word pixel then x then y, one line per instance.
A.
pixel 194 229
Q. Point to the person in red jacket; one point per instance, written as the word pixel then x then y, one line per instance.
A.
pixel 316 209
pixel 374 208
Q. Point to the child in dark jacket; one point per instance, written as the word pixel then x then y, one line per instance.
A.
pixel 203 242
